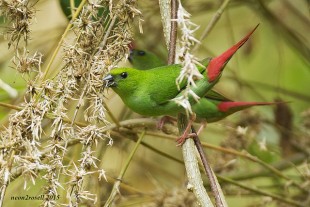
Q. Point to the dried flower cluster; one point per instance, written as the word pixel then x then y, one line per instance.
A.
pixel 19 13
pixel 26 64
pixel 17 16
pixel 100 42
pixel 188 61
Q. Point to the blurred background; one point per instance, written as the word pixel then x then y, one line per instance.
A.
pixel 274 65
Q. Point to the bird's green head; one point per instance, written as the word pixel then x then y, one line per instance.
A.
pixel 123 80
pixel 144 60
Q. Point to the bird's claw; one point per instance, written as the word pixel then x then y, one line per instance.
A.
pixel 182 139
pixel 160 124
pixel 186 134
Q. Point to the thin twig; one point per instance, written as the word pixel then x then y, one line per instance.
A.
pixel 280 165
pixel 277 197
pixel 215 187
pixel 10 106
pixel 212 23
pixel 72 7
pixel 80 102
pixel 61 40
pixel 219 200
pixel 287 92
pixel 122 173
pixel 105 38
pixel 302 18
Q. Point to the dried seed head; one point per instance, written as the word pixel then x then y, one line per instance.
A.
pixel 24 63
pixel 19 14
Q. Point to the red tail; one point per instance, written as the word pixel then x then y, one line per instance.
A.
pixel 227 105
pixel 217 64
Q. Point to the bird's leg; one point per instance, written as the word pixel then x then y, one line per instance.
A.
pixel 163 120
pixel 191 135
pixel 202 126
pixel 186 133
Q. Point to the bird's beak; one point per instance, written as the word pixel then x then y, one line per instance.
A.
pixel 131 49
pixel 130 55
pixel 109 81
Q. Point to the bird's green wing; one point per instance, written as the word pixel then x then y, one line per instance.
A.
pixel 162 83
pixel 166 84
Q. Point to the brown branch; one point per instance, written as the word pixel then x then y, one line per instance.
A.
pixel 188 149
pixel 173 32
pixel 208 171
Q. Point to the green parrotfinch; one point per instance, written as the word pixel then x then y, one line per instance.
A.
pixel 151 92
pixel 213 107
pixel 144 60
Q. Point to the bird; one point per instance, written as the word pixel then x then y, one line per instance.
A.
pixel 151 92
pixel 144 60
pixel 213 106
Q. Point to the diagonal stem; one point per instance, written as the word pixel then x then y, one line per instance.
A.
pixel 116 185
pixel 218 194
pixel 212 23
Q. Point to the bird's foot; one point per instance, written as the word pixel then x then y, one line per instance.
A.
pixel 163 120
pixel 182 139
pixel 186 134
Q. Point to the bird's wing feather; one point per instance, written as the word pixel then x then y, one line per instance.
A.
pixel 163 83
pixel 166 83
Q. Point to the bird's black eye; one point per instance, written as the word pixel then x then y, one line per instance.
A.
pixel 124 75
pixel 141 52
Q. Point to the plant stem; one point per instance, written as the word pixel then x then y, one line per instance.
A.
pixel 122 173
pixel 192 168
pixel 212 23
pixel 77 12
pixel 277 197
pixel 216 189
pixel 173 32
pixel 165 13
